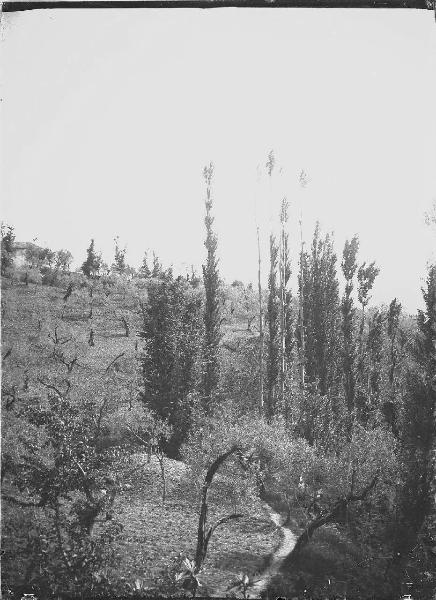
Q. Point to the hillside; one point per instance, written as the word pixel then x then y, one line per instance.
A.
pixel 101 372
pixel 154 537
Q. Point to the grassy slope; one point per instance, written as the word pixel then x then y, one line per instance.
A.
pixel 153 535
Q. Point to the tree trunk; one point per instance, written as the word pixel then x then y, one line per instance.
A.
pixel 160 458
pixel 339 508
pixel 126 326
pixel 203 538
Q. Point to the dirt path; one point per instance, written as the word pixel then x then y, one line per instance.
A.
pixel 286 545
pixel 261 581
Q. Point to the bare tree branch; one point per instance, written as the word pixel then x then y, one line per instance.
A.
pixel 54 388
pixel 6 354
pixel 332 516
pixel 114 361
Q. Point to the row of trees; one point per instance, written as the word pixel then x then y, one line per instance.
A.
pixel 35 257
pixel 44 259
pixel 326 364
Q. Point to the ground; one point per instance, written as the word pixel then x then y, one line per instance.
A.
pixel 156 535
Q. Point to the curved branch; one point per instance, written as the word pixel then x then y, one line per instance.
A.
pixel 54 388
pixel 6 354
pixel 339 507
pixel 202 538
pixel 217 524
pixel 23 503
pixel 114 361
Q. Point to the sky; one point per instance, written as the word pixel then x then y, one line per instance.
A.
pixel 109 116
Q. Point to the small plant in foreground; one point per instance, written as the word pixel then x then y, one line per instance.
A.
pixel 243 584
pixel 188 577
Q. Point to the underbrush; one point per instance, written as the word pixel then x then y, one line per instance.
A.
pixel 156 537
pixel 331 566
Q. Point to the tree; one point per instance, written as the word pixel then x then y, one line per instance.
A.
pixel 144 270
pixel 374 349
pixel 93 262
pixel 366 276
pixel 203 536
pixel 286 332
pixel 300 333
pixel 211 317
pixel 325 485
pixel 322 485
pixel 171 331
pixel 261 332
pixel 320 312
pixel 119 265
pixel 39 258
pixel 273 309
pixel 137 426
pixel 54 465
pixel 418 433
pixel 349 267
pixel 63 260
pixel 7 247
pixel 157 270
pixel 390 405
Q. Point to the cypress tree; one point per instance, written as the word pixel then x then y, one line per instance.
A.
pixel 93 262
pixel 212 333
pixel 168 362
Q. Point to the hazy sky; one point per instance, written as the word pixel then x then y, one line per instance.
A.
pixel 108 117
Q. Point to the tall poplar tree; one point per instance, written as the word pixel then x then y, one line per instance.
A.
pixel 390 407
pixel 273 310
pixel 212 333
pixel 374 349
pixel 349 267
pixel 261 332
pixel 320 294
pixel 366 276
pixel 286 333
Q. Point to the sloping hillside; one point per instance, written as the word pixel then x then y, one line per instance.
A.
pixel 46 332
